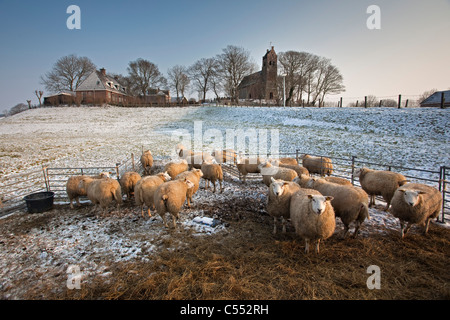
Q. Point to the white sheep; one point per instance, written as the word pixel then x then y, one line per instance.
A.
pixel 175 168
pixel 102 191
pixel 313 216
pixel 73 190
pixel 170 197
pixel 145 189
pixel 128 181
pixel 415 203
pixel 319 165
pixel 147 162
pixel 212 172
pixel 247 165
pixel 194 176
pixel 278 201
pixel 350 204
pixel 268 171
pixel 379 182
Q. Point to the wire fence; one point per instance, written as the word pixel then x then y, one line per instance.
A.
pixel 14 188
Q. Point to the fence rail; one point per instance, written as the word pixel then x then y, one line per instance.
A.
pixel 14 188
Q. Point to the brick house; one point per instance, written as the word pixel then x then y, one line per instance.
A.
pixel 99 88
pixel 261 85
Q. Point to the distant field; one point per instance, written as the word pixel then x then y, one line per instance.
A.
pixel 103 135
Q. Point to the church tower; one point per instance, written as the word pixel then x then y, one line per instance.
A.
pixel 269 75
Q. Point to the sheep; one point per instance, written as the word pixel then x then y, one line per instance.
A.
pixel 102 191
pixel 248 165
pixel 147 162
pixel 73 190
pixel 194 159
pixel 170 197
pixel 225 156
pixel 268 171
pixel 175 168
pixel 297 168
pixel 194 176
pixel 415 203
pixel 313 216
pixel 278 201
pixel 212 172
pixel 320 165
pixel 128 182
pixel 348 203
pixel 378 182
pixel 338 180
pixel 145 189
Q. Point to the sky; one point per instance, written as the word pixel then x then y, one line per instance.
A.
pixel 408 55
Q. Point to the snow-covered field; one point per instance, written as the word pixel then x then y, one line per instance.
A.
pixel 102 136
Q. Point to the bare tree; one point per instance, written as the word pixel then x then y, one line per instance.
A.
pixel 39 95
pixel 67 73
pixel 234 63
pixel 144 75
pixel 184 84
pixel 176 76
pixel 425 95
pixel 201 72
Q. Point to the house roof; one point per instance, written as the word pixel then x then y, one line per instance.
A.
pixel 99 80
pixel 435 98
pixel 250 79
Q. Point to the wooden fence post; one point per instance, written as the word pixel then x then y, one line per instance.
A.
pixel 399 101
pixel 365 102
pixel 442 100
pixel 341 102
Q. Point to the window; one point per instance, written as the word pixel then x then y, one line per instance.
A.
pixel 271 96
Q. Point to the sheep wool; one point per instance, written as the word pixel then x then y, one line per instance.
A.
pixel 212 172
pixel 175 168
pixel 248 165
pixel 312 216
pixel 170 197
pixel 379 182
pixel 278 173
pixel 128 182
pixel 415 203
pixel 145 189
pixel 147 162
pixel 73 189
pixel 102 191
pixel 320 165
pixel 278 201
pixel 194 176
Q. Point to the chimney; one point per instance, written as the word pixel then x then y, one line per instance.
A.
pixel 103 71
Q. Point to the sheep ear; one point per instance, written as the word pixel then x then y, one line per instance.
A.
pixel 329 198
pixel 272 179
pixel 310 196
pixel 421 192
pixel 402 190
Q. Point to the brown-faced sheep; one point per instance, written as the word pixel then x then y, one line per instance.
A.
pixel 194 176
pixel 312 216
pixel 320 165
pixel 415 203
pixel 247 165
pixel 278 201
pixel 102 191
pixel 268 171
pixel 145 189
pixel 175 168
pixel 350 204
pixel 170 197
pixel 73 190
pixel 379 182
pixel 212 172
pixel 128 182
pixel 147 162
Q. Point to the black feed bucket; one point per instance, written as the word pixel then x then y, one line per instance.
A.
pixel 39 202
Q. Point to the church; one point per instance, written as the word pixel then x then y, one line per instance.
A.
pixel 261 85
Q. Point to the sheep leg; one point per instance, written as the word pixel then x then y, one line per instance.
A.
pixel 427 223
pixel 404 228
pixel 71 205
pixel 345 231
pixel 174 221
pixel 317 246
pixel 221 186
pixel 274 225
pixel 188 202
pixel 214 184
pixel 306 245
pixel 357 225
pixel 283 222
pixel 149 213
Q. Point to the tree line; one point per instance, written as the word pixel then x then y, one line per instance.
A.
pixel 302 75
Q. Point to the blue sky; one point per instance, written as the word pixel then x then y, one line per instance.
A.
pixel 408 55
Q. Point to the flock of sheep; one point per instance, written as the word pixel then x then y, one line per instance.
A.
pixel 312 203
